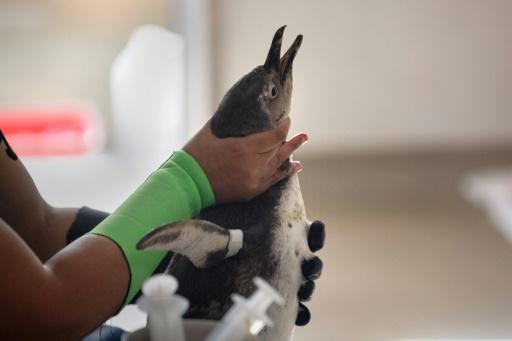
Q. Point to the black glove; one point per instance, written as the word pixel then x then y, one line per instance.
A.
pixel 311 269
pixel 86 219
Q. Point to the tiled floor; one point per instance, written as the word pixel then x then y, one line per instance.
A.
pixel 406 257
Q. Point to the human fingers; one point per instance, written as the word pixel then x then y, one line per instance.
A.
pixel 286 150
pixel 283 172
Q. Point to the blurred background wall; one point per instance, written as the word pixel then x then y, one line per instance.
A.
pixel 370 75
pixel 374 75
pixel 53 50
pixel 402 101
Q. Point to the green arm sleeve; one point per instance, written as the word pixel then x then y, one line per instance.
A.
pixel 178 190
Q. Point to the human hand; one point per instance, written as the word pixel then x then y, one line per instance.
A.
pixel 240 168
pixel 311 270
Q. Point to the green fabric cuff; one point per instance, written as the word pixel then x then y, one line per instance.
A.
pixel 178 190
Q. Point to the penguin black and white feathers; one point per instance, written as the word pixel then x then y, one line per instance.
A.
pixel 274 223
pixel 262 97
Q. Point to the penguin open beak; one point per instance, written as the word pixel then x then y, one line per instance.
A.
pixel 286 63
pixel 274 61
pixel 274 53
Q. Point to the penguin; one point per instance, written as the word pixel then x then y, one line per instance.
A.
pixel 274 225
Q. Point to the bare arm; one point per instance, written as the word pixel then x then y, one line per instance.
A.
pixel 64 299
pixel 70 294
pixel 44 229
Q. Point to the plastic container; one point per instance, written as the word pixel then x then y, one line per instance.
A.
pixel 147 86
pixel 244 321
pixel 195 330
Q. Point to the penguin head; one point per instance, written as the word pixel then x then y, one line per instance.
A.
pixel 262 97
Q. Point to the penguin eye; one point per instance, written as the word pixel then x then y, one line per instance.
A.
pixel 273 92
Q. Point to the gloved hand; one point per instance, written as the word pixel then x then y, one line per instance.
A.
pixel 311 269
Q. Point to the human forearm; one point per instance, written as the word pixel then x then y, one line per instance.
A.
pixel 66 297
pixel 85 283
pixel 41 226
pixel 89 281
pixel 53 234
pixel 178 190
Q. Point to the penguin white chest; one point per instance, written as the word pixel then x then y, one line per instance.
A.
pixel 291 236
pixel 290 248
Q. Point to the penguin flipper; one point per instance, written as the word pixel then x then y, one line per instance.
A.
pixel 204 243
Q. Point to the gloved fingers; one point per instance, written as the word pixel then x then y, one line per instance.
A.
pixel 306 291
pixel 316 236
pixel 312 268
pixel 303 315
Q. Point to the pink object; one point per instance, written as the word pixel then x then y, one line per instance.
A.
pixel 49 130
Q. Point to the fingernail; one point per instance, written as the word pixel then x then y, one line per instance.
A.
pixel 304 138
pixel 297 167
